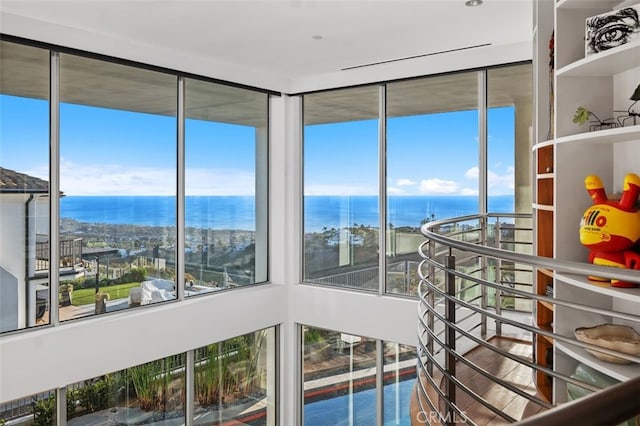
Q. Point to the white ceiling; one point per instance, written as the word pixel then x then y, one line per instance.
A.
pixel 276 37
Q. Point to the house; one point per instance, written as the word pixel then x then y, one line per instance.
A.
pixel 147 77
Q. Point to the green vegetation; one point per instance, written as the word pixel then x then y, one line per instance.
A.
pixel 44 411
pixel 228 370
pixel 86 296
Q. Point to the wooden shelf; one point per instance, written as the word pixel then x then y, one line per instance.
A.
pixel 546 305
pixel 546 176
pixel 545 271
pixel 544 207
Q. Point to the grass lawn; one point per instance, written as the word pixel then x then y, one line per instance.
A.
pixel 86 296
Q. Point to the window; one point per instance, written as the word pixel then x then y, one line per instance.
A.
pixel 341 212
pixel 226 187
pixel 399 379
pixel 432 164
pixel 339 378
pixel 118 178
pixel 235 380
pixel 150 393
pixel 24 187
pixel 436 166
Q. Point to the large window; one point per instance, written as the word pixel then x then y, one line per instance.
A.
pixel 226 187
pixel 150 393
pixel 438 162
pixel 232 382
pixel 118 176
pixel 341 212
pixel 235 381
pixel 509 121
pixel 117 139
pixel 432 164
pixel 24 187
pixel 341 376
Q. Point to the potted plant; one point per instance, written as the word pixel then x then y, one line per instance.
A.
pixel 582 115
pixel 101 302
pixel 65 294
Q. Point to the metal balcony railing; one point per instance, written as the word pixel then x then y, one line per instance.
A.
pixel 478 280
pixel 70 253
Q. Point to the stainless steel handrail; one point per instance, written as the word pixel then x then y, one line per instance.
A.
pixel 442 332
pixel 557 265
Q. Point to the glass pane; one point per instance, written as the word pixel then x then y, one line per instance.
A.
pixel 151 393
pixel 118 177
pixel 24 187
pixel 226 193
pixel 509 124
pixel 399 380
pixel 341 214
pixel 339 381
pixel 235 381
pixel 39 409
pixel 432 164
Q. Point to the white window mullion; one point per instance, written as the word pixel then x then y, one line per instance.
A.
pixel 482 141
pixel 54 187
pixel 382 190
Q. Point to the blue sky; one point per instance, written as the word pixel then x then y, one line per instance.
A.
pixel 121 153
pixel 435 154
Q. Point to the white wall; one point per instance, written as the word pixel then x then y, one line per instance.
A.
pixel 35 360
pixel 76 38
pixel 47 358
pixel 12 260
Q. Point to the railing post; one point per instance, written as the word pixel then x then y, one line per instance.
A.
pixel 498 279
pixel 484 275
pixel 431 301
pixel 450 336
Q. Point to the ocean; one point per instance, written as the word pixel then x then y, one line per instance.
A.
pixel 238 212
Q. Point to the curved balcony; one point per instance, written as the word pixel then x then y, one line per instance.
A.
pixel 495 346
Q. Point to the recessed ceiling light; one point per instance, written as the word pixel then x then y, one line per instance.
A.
pixel 316 37
pixel 473 3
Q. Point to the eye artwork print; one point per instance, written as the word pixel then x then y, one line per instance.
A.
pixel 612 29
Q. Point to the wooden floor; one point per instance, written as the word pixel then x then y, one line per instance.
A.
pixel 510 371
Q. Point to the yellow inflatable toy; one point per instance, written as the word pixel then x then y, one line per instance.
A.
pixel 611 229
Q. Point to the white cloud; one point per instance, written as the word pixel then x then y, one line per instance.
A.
pixel 438 187
pixel 502 183
pixel 405 182
pixel 109 179
pixel 498 183
pixel 392 190
pixel 472 173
